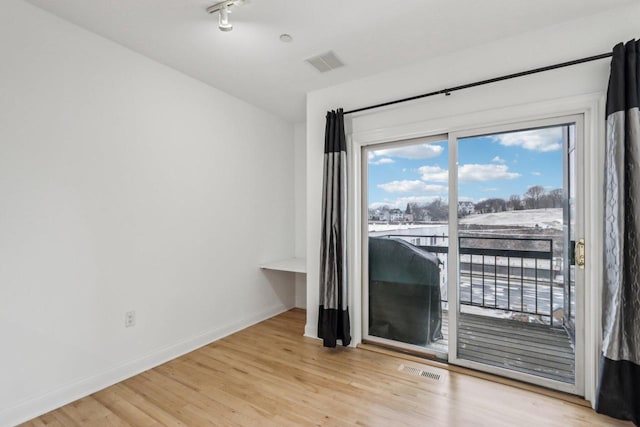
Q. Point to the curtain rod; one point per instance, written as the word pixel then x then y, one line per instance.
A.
pixel 448 91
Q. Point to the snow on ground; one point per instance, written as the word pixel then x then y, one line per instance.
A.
pixel 397 227
pixel 543 218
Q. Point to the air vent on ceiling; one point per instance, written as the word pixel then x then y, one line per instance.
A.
pixel 325 62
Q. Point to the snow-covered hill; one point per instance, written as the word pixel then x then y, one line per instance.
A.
pixel 543 218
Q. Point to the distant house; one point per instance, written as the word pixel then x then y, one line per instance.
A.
pixel 396 215
pixel 466 208
pixel 378 214
pixel 422 216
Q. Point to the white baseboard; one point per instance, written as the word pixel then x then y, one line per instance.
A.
pixel 41 404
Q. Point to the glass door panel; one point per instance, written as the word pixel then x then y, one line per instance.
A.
pixel 406 245
pixel 516 220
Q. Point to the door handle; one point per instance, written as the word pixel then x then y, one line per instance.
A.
pixel 579 253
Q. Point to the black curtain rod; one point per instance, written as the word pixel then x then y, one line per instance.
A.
pixel 448 91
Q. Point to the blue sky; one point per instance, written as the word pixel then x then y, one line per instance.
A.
pixel 489 166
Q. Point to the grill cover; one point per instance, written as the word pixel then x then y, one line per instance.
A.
pixel 404 292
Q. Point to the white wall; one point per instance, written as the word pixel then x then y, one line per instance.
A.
pixel 584 37
pixel 300 186
pixel 125 185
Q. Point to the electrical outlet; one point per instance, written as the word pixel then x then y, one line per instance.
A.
pixel 129 319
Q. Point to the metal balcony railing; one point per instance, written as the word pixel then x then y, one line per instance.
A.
pixel 516 275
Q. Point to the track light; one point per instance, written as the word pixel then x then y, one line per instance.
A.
pixel 223 21
pixel 223 8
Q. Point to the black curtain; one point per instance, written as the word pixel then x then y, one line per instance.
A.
pixel 333 317
pixel 619 386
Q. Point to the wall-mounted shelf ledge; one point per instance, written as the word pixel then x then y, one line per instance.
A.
pixel 294 265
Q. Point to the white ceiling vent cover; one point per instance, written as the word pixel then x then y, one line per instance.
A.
pixel 325 62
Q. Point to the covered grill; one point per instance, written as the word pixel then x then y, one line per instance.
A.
pixel 404 292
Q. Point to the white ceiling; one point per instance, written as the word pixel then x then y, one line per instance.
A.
pixel 370 36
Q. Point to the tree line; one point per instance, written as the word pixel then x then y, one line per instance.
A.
pixel 536 197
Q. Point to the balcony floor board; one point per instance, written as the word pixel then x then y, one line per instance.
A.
pixel 519 346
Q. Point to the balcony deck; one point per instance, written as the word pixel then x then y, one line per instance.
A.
pixel 505 286
pixel 519 346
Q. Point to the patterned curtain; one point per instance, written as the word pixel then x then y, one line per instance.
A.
pixel 619 387
pixel 333 318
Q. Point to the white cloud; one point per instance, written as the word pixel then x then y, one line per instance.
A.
pixel 542 140
pixel 416 186
pixel 419 151
pixel 489 189
pixel 468 173
pixel 474 173
pixel 536 173
pixel 434 173
pixel 382 161
pixel 498 159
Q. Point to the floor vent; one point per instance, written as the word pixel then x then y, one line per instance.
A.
pixel 431 375
pixel 419 372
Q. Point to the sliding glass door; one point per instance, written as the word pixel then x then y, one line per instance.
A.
pixel 515 313
pixel 469 249
pixel 406 242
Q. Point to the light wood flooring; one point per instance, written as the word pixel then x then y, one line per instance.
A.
pixel 270 375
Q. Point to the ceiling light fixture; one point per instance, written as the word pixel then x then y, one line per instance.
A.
pixel 223 8
pixel 223 21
